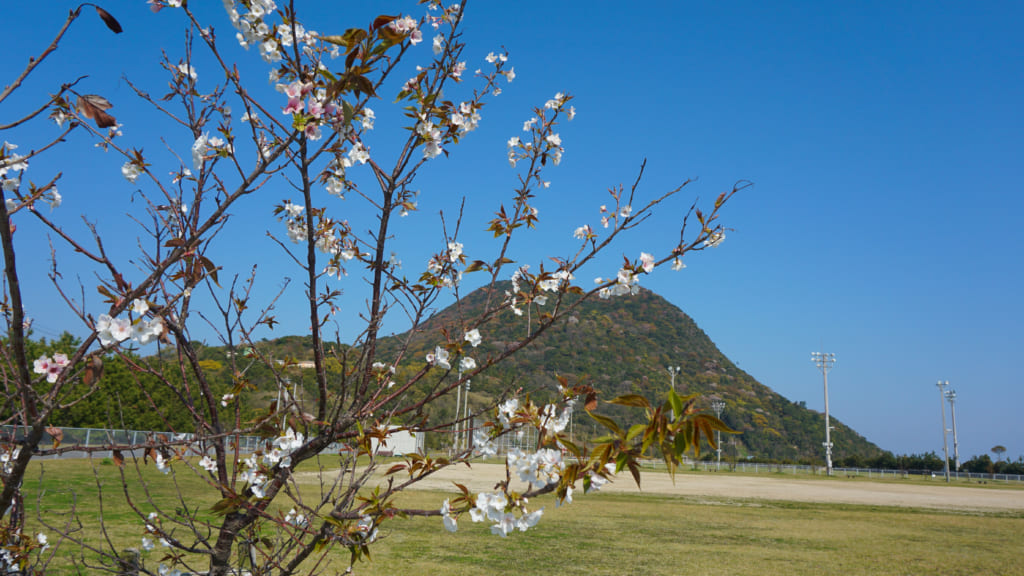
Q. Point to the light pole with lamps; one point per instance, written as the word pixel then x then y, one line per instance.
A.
pixel 672 371
pixel 951 396
pixel 825 361
pixel 466 424
pixel 718 405
pixel 945 446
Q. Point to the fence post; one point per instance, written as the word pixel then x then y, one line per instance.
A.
pixel 128 563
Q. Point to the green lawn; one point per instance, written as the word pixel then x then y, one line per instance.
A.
pixel 650 534
pixel 607 533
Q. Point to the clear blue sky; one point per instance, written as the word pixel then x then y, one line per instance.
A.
pixel 884 140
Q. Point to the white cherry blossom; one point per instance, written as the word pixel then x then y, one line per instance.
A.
pixel 439 358
pixel 647 261
pixel 131 171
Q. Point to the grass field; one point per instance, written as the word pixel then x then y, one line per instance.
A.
pixel 614 533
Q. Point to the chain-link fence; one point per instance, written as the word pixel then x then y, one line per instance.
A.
pixel 89 439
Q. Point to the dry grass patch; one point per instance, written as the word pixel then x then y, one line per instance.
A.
pixel 606 533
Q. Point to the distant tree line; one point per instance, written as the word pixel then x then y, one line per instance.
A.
pixel 927 462
pixel 930 461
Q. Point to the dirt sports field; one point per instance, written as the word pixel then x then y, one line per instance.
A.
pixel 482 477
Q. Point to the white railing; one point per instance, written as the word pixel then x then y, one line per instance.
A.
pixel 92 438
pixel 794 469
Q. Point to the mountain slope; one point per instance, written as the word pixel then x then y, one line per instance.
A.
pixel 624 345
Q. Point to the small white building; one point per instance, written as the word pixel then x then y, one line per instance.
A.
pixel 400 442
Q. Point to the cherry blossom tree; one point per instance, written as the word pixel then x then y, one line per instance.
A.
pixel 314 137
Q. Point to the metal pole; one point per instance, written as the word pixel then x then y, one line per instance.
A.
pixel 458 410
pixel 466 423
pixel 672 371
pixel 825 361
pixel 945 446
pixel 951 396
pixel 718 406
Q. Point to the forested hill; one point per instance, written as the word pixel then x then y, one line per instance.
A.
pixel 624 345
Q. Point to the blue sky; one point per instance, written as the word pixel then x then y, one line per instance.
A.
pixel 883 140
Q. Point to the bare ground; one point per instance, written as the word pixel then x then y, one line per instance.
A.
pixel 482 477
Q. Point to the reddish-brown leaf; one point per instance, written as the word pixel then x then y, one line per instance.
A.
pixel 93 370
pixel 382 20
pixel 93 107
pixel 56 434
pixel 631 400
pixel 109 20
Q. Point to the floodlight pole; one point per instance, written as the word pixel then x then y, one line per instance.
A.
pixel 282 398
pixel 945 446
pixel 825 361
pixel 672 371
pixel 718 406
pixel 458 411
pixel 951 396
pixel 466 423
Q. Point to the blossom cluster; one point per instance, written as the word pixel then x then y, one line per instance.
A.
pixel 153 528
pixel 495 508
pixel 552 422
pixel 543 467
pixel 131 171
pixel 366 529
pixel 627 283
pixel 310 110
pixel 553 282
pixel 13 555
pixel 335 172
pixel 442 358
pixel 52 367
pixel 439 357
pixel 443 266
pixel 10 163
pixel 597 481
pixel 296 519
pixel 115 330
pixel 511 299
pixel 607 216
pixel 507 411
pixel 294 221
pixel 253 29
pixel 430 134
pixel 279 455
pixel 483 446
pixel 7 458
pixel 384 373
pixel 340 248
pixel 499 61
pixel 550 146
pixel 467 118
pixel 714 239
pixel 407 26
pixel 201 148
